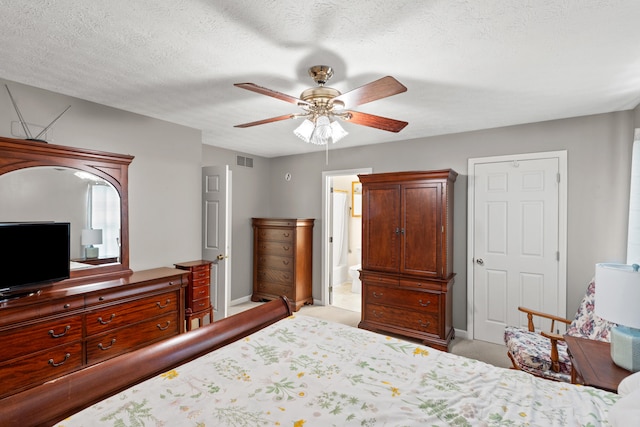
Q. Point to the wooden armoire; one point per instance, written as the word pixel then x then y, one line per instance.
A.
pixel 407 255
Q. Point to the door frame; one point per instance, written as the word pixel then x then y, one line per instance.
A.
pixel 327 178
pixel 562 225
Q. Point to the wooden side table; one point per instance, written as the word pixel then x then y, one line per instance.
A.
pixel 591 364
pixel 197 301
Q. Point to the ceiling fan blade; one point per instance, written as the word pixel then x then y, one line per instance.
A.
pixel 377 122
pixel 381 88
pixel 265 121
pixel 275 94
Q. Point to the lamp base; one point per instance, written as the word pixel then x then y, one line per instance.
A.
pixel 91 252
pixel 625 347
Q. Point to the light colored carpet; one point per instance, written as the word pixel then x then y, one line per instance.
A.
pixel 480 350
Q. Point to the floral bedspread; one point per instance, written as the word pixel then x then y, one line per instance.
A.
pixel 303 371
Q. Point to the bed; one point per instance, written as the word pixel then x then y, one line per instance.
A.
pixel 271 368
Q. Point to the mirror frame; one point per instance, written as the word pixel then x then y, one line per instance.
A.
pixel 16 154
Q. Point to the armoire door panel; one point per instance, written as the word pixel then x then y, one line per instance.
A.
pixel 421 229
pixel 382 226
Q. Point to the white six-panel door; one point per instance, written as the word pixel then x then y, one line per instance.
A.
pixel 516 243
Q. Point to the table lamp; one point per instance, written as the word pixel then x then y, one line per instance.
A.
pixel 89 238
pixel 617 300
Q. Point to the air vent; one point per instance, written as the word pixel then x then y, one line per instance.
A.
pixel 244 161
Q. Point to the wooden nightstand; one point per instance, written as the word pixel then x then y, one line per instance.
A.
pixel 591 364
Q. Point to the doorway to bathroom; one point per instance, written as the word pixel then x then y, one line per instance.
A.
pixel 342 238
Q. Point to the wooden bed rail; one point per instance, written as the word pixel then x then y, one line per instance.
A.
pixel 55 400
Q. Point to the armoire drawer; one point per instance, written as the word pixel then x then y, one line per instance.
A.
pixel 40 336
pixel 119 341
pixel 422 321
pixel 132 312
pixel 403 298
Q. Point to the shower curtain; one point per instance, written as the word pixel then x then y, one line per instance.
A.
pixel 340 224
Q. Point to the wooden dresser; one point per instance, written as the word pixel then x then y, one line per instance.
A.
pixel 282 260
pixel 407 255
pixel 197 301
pixel 67 327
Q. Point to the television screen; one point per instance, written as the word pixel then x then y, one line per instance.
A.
pixel 34 253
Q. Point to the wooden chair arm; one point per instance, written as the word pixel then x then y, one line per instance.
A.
pixel 554 338
pixel 553 318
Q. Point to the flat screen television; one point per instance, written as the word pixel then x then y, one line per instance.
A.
pixel 34 253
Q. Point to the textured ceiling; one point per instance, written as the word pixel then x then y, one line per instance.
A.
pixel 467 64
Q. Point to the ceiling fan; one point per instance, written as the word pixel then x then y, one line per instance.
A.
pixel 322 105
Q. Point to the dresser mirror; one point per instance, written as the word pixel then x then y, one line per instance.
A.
pixel 88 189
pixel 61 194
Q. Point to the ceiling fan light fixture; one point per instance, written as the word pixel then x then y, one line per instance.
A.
pixel 305 130
pixel 337 132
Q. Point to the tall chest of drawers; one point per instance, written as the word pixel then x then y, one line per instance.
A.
pixel 282 260
pixel 198 300
pixel 64 329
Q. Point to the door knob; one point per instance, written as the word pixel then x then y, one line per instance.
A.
pixel 221 257
pixel 480 261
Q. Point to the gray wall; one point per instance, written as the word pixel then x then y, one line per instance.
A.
pixel 599 154
pixel 165 181
pixel 164 177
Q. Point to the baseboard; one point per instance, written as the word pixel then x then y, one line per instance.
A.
pixel 462 334
pixel 240 301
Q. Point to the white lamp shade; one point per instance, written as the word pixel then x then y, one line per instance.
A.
pixel 618 294
pixel 91 237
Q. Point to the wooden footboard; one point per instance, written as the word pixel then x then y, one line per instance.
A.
pixel 55 400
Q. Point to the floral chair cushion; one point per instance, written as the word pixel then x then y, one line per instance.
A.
pixel 587 324
pixel 531 352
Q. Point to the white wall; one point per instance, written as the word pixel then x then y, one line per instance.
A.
pixel 164 177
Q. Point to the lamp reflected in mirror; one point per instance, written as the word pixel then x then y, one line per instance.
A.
pixel 89 238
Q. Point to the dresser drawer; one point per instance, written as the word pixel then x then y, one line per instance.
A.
pixel 200 282
pixel 422 321
pixel 276 234
pixel 39 367
pixel 403 298
pixel 200 273
pixel 200 304
pixel 123 340
pixel 40 336
pixel 132 312
pixel 276 289
pixel 13 315
pixel 272 275
pixel 126 292
pixel 275 248
pixel 197 293
pixel 278 262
